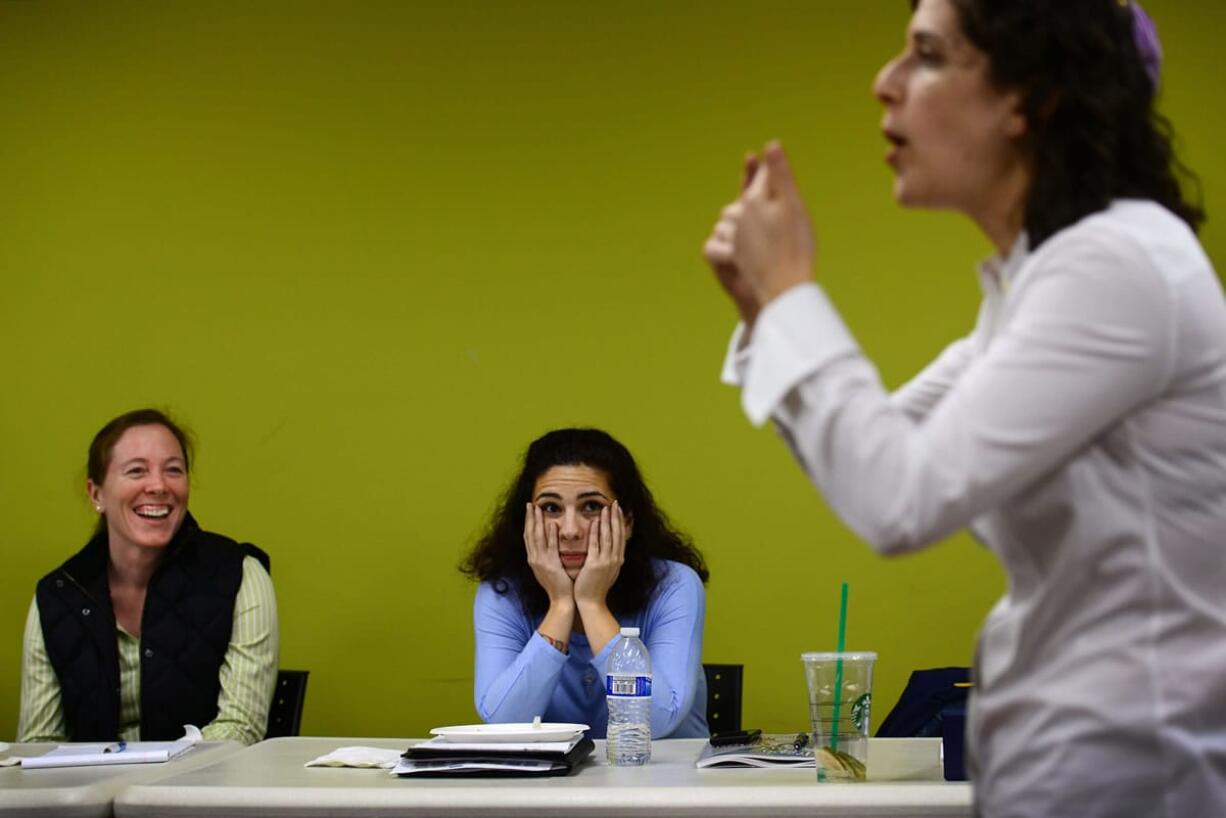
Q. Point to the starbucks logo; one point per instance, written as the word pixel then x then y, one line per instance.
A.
pixel 859 711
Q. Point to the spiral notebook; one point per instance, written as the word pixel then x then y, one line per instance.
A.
pixel 117 752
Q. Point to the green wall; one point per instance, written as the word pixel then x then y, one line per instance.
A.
pixel 369 250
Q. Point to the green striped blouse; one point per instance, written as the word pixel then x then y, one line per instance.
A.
pixel 248 673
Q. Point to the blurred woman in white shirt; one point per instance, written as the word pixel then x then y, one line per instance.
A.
pixel 1079 430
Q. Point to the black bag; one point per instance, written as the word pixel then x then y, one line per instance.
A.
pixel 928 692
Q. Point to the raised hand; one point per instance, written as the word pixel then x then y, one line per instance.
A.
pixel 720 260
pixel 763 243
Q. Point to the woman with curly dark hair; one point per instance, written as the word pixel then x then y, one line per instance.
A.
pixel 577 549
pixel 1080 430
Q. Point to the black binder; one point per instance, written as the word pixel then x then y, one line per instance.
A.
pixel 440 760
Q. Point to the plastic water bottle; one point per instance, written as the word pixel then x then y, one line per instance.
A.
pixel 628 692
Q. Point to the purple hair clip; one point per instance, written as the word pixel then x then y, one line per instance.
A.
pixel 1145 35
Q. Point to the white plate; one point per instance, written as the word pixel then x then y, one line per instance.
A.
pixel 546 731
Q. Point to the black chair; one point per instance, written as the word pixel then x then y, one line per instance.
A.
pixel 724 697
pixel 285 715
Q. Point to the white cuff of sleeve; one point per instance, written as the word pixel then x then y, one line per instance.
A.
pixel 736 359
pixel 797 334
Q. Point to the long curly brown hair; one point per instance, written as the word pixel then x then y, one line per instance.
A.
pixel 499 556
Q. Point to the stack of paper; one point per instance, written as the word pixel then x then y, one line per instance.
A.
pixel 499 750
pixel 119 752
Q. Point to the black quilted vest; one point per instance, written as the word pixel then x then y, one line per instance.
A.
pixel 185 632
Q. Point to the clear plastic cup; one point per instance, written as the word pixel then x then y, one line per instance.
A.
pixel 840 741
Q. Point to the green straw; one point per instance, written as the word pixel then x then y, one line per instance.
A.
pixel 838 669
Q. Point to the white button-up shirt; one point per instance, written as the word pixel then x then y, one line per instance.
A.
pixel 1080 432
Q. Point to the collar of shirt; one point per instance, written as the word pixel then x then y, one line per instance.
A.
pixel 997 272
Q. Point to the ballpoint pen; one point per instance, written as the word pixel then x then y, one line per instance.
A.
pixel 117 747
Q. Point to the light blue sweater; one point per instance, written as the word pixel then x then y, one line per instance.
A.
pixel 519 675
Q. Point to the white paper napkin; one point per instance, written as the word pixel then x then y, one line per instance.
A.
pixel 357 757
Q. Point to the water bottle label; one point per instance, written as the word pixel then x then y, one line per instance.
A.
pixel 623 685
